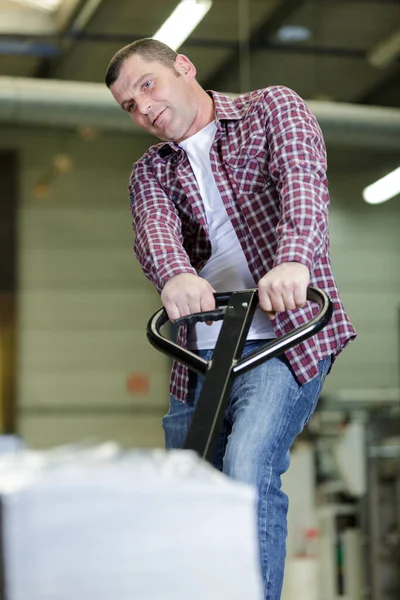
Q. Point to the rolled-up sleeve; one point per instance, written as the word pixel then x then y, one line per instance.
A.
pixel 298 169
pixel 157 226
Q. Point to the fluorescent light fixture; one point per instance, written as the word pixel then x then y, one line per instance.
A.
pixel 293 33
pixel 182 21
pixel 383 189
pixel 45 5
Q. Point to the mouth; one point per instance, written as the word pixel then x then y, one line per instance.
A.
pixel 158 116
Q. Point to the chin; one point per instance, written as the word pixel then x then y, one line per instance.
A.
pixel 172 137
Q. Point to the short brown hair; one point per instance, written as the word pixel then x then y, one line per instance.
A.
pixel 147 48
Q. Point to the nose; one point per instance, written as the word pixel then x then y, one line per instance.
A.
pixel 144 106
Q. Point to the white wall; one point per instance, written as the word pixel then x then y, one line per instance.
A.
pixel 365 249
pixel 84 303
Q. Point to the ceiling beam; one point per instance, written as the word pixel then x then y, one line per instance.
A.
pixel 81 14
pixel 260 35
pixel 267 45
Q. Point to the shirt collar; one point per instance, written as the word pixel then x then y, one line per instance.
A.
pixel 225 107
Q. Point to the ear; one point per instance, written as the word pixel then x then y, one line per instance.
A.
pixel 184 66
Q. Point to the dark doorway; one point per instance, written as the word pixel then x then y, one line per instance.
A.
pixel 8 290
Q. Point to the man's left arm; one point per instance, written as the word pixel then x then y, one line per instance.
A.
pixel 297 166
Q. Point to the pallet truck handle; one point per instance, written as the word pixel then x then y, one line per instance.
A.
pixel 271 349
pixel 202 317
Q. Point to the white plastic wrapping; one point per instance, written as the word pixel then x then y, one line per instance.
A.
pixel 97 523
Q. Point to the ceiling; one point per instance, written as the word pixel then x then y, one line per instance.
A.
pixel 238 46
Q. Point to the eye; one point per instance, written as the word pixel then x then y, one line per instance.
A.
pixel 130 107
pixel 147 84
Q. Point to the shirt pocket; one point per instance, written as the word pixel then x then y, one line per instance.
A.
pixel 248 166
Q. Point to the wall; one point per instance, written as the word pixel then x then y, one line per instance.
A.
pixel 365 249
pixel 84 303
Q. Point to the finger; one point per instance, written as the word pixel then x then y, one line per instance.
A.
pixel 176 311
pixel 277 302
pixel 268 307
pixel 207 302
pixel 266 303
pixel 288 300
pixel 264 299
pixel 173 312
pixel 300 296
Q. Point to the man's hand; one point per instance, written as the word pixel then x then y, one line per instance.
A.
pixel 185 294
pixel 284 287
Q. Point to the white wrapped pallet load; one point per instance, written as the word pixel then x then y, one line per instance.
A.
pixel 156 525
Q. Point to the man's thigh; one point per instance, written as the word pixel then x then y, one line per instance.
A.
pixel 269 408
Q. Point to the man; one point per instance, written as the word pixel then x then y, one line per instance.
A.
pixel 235 197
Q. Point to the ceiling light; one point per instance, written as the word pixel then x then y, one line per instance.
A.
pixel 45 5
pixel 293 33
pixel 183 20
pixel 383 189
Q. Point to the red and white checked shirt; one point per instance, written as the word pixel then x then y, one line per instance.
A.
pixel 269 162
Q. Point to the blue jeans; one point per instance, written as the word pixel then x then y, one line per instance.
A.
pixel 268 408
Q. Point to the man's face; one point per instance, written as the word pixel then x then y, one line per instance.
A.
pixel 158 98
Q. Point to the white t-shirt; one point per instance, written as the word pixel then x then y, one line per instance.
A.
pixel 227 269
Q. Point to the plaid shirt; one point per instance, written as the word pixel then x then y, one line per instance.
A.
pixel 269 162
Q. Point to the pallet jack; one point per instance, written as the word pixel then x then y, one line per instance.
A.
pixel 236 310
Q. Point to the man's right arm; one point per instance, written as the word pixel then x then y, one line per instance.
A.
pixel 158 229
pixel 159 247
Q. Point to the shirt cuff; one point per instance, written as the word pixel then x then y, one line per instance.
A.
pixel 293 251
pixel 171 270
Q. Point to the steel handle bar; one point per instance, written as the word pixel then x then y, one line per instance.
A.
pixel 269 350
pixel 282 343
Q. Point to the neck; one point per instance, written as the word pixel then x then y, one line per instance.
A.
pixel 206 109
pixel 204 116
